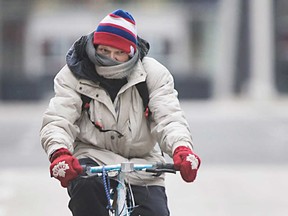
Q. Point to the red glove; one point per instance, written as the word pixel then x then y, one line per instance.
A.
pixel 187 162
pixel 64 166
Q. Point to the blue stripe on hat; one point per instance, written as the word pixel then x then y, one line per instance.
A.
pixel 117 31
pixel 123 14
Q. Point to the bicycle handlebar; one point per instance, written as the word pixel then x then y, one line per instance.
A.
pixel 162 167
pixel 157 168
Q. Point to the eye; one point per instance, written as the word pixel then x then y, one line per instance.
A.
pixel 103 50
pixel 120 52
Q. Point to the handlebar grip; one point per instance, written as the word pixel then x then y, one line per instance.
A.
pixel 160 168
pixel 160 171
pixel 168 166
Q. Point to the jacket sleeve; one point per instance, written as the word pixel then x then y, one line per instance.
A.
pixel 58 127
pixel 168 123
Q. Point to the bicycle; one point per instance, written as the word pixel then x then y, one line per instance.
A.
pixel 121 202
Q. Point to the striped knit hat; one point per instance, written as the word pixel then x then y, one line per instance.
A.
pixel 117 30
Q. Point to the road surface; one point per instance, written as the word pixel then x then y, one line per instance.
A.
pixel 243 146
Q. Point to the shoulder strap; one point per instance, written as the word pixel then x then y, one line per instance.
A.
pixel 143 91
pixel 144 94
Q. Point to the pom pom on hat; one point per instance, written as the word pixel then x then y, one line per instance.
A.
pixel 117 30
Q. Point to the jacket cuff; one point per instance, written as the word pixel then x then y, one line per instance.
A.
pixel 181 143
pixel 54 148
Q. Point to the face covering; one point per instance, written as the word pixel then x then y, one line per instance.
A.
pixel 110 68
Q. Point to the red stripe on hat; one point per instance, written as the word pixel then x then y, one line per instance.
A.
pixel 113 40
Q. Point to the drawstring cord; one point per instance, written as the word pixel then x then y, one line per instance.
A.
pixel 98 125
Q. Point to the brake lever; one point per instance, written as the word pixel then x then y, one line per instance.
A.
pixel 160 171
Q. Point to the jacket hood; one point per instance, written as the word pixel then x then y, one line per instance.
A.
pixel 80 64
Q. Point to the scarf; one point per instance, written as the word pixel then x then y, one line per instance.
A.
pixel 110 68
pixel 112 74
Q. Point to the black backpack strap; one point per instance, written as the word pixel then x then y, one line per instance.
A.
pixel 144 94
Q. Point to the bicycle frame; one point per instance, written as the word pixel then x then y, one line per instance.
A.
pixel 122 169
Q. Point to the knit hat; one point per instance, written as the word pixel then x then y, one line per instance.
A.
pixel 117 30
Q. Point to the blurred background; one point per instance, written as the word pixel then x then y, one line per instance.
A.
pixel 229 59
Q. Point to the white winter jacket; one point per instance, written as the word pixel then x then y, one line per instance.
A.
pixel 65 125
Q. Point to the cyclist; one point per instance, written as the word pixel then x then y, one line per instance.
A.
pixel 106 66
